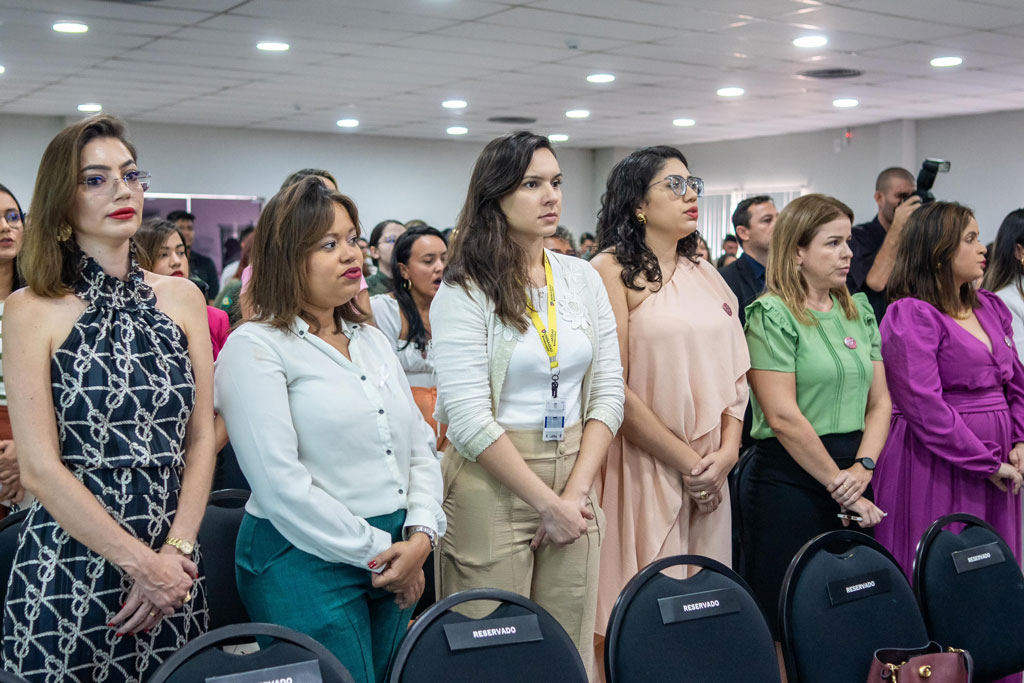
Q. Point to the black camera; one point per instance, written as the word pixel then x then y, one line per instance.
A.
pixel 926 178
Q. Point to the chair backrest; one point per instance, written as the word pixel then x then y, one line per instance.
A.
pixel 7 677
pixel 843 597
pixel 971 592
pixel 10 527
pixel 518 641
pixel 707 627
pixel 203 657
pixel 217 535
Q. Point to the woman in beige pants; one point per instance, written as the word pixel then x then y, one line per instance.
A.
pixel 530 385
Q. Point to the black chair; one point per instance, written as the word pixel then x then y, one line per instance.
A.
pixel 10 527
pixel 971 592
pixel 707 627
pixel 217 536
pixel 203 657
pixel 518 641
pixel 843 597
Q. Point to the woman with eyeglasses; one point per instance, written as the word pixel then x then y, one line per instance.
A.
pixel 404 315
pixel 684 358
pixel 531 387
pixel 109 372
pixel 382 245
pixel 12 225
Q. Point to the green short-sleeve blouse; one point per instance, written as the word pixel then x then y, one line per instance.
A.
pixel 832 361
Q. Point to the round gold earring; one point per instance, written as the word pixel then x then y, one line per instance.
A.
pixel 642 219
pixel 64 233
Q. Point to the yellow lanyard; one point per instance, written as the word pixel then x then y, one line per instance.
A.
pixel 549 333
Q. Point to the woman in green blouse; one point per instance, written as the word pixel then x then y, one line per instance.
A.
pixel 820 403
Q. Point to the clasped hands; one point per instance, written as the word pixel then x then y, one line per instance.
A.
pixel 161 585
pixel 403 569
pixel 1010 473
pixel 705 481
pixel 10 477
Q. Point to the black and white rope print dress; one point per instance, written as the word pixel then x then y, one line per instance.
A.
pixel 123 391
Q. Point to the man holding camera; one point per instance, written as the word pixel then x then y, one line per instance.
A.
pixel 874 243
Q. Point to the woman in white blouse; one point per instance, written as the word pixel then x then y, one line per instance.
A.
pixel 346 487
pixel 417 264
pixel 1004 276
pixel 530 385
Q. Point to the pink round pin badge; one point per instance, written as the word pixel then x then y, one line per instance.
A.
pixel 727 309
pixel 850 342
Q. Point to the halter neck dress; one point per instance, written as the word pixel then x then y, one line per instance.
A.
pixel 123 392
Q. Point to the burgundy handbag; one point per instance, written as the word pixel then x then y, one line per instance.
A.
pixel 929 664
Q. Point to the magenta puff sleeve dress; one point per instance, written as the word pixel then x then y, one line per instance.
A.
pixel 958 408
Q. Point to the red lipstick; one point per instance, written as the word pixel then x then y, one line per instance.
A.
pixel 353 273
pixel 693 213
pixel 122 214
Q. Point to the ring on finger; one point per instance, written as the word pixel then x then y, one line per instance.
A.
pixel 152 613
pixel 703 495
pixel 188 596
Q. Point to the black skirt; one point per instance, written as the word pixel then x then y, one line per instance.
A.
pixel 782 507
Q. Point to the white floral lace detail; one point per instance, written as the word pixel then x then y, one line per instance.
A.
pixel 571 306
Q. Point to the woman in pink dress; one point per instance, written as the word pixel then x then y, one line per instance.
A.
pixel 684 357
pixel 957 438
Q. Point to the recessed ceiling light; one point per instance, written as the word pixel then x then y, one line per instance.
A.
pixel 683 123
pixel 2 69
pixel 577 113
pixel 70 27
pixel 558 137
pixel 811 41
pixel 947 61
pixel 457 130
pixel 731 91
pixel 454 104
pixel 600 78
pixel 348 123
pixel 273 47
pixel 90 107
pixel 845 102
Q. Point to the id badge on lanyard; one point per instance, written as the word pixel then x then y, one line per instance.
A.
pixel 554 407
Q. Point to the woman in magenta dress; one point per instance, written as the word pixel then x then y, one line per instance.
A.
pixel 956 443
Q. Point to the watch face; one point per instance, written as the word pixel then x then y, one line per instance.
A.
pixel 868 463
pixel 186 547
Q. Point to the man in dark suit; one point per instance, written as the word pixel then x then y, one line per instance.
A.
pixel 754 220
pixel 201 267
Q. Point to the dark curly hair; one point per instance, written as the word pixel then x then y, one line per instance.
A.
pixel 617 225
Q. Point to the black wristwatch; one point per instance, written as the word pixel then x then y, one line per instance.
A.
pixel 866 463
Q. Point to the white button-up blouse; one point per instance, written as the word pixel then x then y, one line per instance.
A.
pixel 326 442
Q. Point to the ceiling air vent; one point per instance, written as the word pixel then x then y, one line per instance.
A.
pixel 830 73
pixel 513 120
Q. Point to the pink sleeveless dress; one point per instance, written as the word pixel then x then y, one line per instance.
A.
pixel 687 361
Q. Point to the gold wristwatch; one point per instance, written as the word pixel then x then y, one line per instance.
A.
pixel 182 546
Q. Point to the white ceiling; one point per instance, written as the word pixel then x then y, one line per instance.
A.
pixel 390 63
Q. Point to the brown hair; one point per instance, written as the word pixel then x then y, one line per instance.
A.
pixel 150 238
pixel 797 225
pixel 923 269
pixel 289 229
pixel 50 266
pixel 482 253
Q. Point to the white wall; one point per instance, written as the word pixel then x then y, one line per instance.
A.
pixel 985 150
pixel 402 178
pixel 388 177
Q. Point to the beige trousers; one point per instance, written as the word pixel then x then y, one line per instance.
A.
pixel 487 544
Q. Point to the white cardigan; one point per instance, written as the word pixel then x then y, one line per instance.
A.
pixel 472 349
pixel 1011 297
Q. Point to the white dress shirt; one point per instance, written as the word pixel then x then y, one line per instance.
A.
pixel 326 442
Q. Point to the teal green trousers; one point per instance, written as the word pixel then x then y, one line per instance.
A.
pixel 334 603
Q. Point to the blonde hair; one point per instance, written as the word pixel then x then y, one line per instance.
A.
pixel 797 225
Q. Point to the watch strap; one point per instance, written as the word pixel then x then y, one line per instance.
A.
pixel 430 533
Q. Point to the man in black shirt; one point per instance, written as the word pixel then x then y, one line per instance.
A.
pixel 874 243
pixel 200 266
pixel 754 220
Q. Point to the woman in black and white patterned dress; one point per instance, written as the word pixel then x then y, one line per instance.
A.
pixel 109 376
